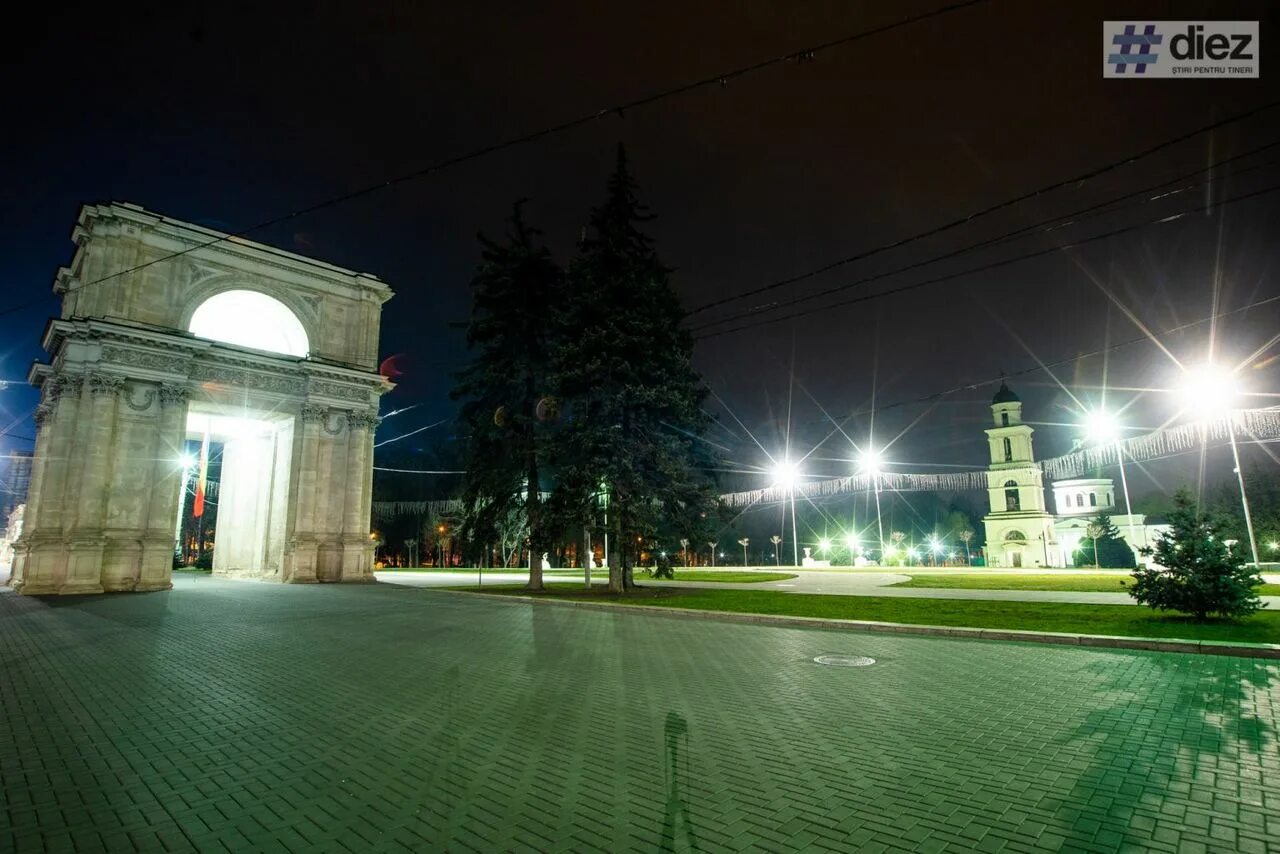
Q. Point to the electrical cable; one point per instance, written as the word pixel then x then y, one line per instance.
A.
pixel 719 79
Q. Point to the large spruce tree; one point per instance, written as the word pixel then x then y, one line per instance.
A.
pixel 506 389
pixel 633 400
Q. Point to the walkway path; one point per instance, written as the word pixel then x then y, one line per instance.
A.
pixel 232 716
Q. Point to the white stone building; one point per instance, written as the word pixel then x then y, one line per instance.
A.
pixel 1079 501
pixel 1020 531
pixel 169 332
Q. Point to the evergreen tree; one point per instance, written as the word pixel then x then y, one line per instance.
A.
pixel 631 395
pixel 505 389
pixel 1195 571
pixel 1108 549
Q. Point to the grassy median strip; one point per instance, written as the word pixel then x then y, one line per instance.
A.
pixel 1099 583
pixel 1116 620
pixel 729 577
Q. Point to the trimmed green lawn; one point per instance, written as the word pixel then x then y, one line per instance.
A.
pixel 1117 620
pixel 1091 583
pixel 729 577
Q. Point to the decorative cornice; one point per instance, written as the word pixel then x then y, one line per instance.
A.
pixel 257 380
pixel 342 391
pixel 143 359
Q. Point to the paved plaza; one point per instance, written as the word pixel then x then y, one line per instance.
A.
pixel 237 716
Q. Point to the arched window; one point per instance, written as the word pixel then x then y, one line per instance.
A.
pixel 1079 499
pixel 1016 536
pixel 1004 420
pixel 250 319
pixel 1011 495
pixel 1008 451
pixel 1093 499
pixel 1109 501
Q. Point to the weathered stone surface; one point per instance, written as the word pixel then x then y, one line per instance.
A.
pixel 125 383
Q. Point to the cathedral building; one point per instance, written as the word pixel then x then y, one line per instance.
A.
pixel 1020 530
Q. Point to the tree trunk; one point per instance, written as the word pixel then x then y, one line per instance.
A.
pixel 533 512
pixel 616 578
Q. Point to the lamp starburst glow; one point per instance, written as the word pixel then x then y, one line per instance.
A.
pixel 1101 427
pixel 851 540
pixel 785 474
pixel 1208 390
pixel 934 545
pixel 824 545
pixel 871 462
pixel 187 461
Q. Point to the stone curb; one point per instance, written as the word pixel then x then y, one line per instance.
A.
pixel 1243 650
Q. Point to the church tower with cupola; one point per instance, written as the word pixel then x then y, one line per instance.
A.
pixel 1019 529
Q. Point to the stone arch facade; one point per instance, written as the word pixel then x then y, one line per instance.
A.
pixel 125 382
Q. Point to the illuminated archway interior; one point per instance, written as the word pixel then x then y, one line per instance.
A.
pixel 250 319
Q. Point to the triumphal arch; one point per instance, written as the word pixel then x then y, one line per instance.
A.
pixel 172 338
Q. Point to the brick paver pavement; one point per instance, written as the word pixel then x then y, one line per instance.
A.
pixel 225 715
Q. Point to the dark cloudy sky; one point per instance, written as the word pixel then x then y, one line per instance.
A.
pixel 230 114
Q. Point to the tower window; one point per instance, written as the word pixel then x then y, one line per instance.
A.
pixel 1079 499
pixel 1093 499
pixel 1008 451
pixel 1004 419
pixel 1011 503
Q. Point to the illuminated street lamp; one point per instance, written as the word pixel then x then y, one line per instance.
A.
pixel 1102 428
pixel 871 463
pixel 851 540
pixel 786 475
pixel 935 547
pixel 1211 391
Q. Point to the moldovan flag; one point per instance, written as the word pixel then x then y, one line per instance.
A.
pixel 197 507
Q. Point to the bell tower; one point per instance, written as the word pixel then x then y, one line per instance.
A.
pixel 1019 529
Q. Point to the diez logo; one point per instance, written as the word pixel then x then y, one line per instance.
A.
pixel 1180 49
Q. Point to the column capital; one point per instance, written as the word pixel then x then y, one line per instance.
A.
pixel 312 414
pixel 173 395
pixel 105 384
pixel 362 420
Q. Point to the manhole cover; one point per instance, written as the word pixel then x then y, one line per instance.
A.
pixel 845 660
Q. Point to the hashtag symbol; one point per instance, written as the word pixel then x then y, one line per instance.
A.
pixel 1127 40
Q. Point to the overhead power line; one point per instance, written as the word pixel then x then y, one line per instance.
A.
pixel 719 79
pixel 991 266
pixel 990 209
pixel 1102 208
pixel 1047 366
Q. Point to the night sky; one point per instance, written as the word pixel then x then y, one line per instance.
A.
pixel 231 114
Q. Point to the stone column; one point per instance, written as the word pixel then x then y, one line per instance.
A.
pixel 166 490
pixel 85 545
pixel 357 548
pixel 300 557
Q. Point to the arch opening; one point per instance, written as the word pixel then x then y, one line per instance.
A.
pixel 250 319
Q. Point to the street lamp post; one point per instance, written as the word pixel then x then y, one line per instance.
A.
pixel 786 474
pixel 1101 427
pixel 871 462
pixel 1212 390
